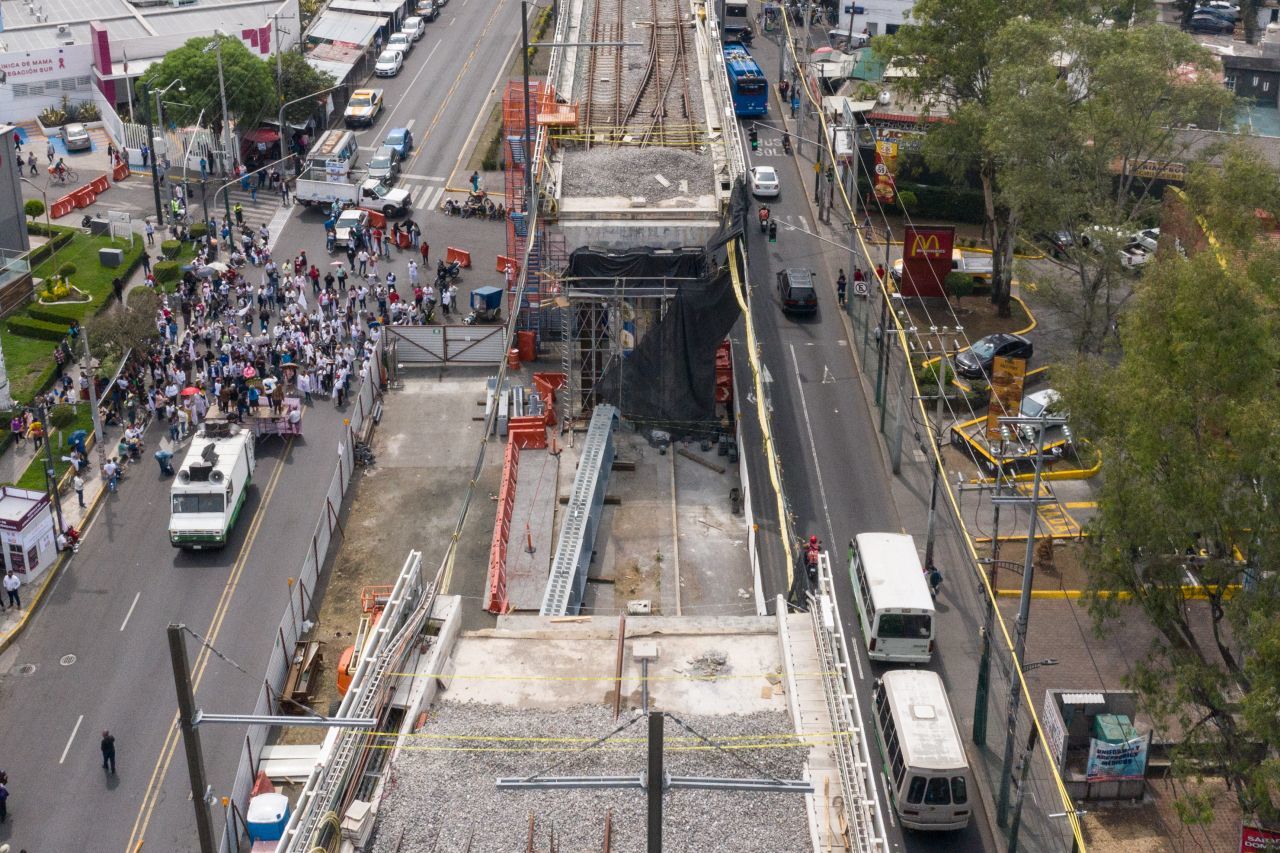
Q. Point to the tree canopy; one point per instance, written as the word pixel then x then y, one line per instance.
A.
pixel 1187 525
pixel 299 80
pixel 249 83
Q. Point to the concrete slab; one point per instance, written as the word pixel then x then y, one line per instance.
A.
pixel 530 662
pixel 714 566
pixel 532 520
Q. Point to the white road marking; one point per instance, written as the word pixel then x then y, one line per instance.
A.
pixel 452 21
pixel 813 450
pixel 136 596
pixel 804 223
pixel 429 198
pixel 408 125
pixel 430 179
pixel 67 748
pixel 412 83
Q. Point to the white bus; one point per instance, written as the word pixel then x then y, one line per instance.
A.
pixel 895 608
pixel 925 766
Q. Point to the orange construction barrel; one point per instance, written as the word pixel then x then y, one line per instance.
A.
pixel 513 359
pixel 526 343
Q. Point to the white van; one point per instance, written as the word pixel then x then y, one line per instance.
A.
pixel 336 152
pixel 895 607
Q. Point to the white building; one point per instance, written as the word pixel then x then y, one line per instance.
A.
pixel 875 17
pixel 92 50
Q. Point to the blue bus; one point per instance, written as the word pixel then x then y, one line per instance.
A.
pixel 746 82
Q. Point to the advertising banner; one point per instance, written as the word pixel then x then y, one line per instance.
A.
pixel 926 259
pixel 1116 762
pixel 1007 377
pixel 1254 839
pixel 1055 730
pixel 886 168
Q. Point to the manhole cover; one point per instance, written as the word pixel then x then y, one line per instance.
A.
pixel 67 660
pixel 26 669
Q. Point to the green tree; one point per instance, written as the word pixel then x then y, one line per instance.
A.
pixel 950 48
pixel 299 80
pixel 1186 425
pixel 1077 118
pixel 249 84
pixel 33 207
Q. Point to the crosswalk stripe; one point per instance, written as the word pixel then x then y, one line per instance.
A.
pixel 430 198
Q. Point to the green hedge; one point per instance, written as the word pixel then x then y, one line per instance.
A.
pixel 954 204
pixel 43 252
pixel 32 328
pixel 166 272
pixel 51 314
pixel 170 248
pixel 44 231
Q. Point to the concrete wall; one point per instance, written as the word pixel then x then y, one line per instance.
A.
pixel 628 234
pixel 13 227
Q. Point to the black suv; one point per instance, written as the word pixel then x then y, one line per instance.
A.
pixel 795 289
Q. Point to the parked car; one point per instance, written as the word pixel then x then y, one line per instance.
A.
pixel 414 27
pixel 1044 402
pixel 400 140
pixel 975 362
pixel 1217 12
pixel 1060 242
pixel 75 137
pixel 389 63
pixel 384 165
pixel 1210 24
pixel 1148 238
pixel 363 108
pixel 402 42
pixel 796 291
pixel 764 182
pixel 357 217
pixel 428 10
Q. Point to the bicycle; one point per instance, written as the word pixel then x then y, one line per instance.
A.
pixel 68 176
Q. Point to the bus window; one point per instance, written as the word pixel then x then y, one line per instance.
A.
pixel 903 626
pixel 915 794
pixel 959 791
pixel 735 9
pixel 939 792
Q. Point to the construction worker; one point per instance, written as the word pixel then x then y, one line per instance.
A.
pixel 239 212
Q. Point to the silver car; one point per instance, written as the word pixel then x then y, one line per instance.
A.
pixel 76 137
pixel 383 165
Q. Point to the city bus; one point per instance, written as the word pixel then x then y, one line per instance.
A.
pixel 747 82
pixel 895 607
pixel 926 771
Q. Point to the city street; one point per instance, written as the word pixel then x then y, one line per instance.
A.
pixel 837 479
pixel 95 655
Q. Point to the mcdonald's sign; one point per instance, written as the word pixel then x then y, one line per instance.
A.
pixel 926 259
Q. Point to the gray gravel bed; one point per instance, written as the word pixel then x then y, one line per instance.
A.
pixel 440 800
pixel 633 170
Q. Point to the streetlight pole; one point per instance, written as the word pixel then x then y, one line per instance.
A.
pixel 288 104
pixel 47 224
pixel 145 92
pixel 90 368
pixel 51 480
pixel 222 94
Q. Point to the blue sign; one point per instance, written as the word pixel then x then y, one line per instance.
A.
pixel 1114 762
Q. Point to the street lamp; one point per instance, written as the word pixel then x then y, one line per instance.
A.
pixel 145 93
pixel 48 226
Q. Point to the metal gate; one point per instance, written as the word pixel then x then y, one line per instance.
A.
pixel 449 344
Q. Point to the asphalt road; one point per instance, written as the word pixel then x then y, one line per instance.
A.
pixel 837 484
pixel 110 606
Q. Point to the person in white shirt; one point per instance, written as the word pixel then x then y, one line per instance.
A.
pixel 11 584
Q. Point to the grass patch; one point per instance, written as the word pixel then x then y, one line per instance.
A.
pixel 30 364
pixel 91 277
pixel 33 477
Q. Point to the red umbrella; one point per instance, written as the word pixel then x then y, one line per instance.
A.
pixel 249 373
pixel 189 391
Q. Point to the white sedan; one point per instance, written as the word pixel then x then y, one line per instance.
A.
pixel 402 42
pixel 389 63
pixel 764 182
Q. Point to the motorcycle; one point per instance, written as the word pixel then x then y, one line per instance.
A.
pixel 786 144
pixel 764 219
pixel 448 272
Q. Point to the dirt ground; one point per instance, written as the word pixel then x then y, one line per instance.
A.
pixel 1153 824
pixel 975 313
pixel 1066 571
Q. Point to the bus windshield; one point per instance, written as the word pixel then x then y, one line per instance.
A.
pixel 188 503
pixel 750 87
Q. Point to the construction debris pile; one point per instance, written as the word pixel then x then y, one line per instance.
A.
pixel 442 795
pixel 651 172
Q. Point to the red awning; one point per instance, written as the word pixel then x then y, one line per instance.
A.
pixel 264 135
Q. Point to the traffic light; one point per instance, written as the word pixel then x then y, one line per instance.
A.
pixel 773 231
pixel 755 138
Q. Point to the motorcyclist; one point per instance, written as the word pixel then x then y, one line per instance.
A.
pixel 764 218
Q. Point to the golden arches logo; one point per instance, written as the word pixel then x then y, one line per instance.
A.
pixel 926 245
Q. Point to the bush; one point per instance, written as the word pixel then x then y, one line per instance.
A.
pixel 33 207
pixel 53 117
pixel 170 249
pixel 959 285
pixel 166 272
pixel 32 328
pixel 907 200
pixel 979 395
pixel 199 230
pixel 50 230
pixel 50 314
pixel 62 416
pixel 927 375
pixel 87 111
pixel 40 254
pixel 67 270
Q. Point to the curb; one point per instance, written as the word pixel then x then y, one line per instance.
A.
pixel 50 576
pixel 1122 595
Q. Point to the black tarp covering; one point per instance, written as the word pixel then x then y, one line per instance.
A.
pixel 668 381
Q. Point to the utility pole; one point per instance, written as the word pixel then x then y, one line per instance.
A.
pixel 89 368
pixel 1041 425
pixel 528 127
pixel 191 737
pixel 656 782
pixel 51 480
pixel 222 94
pixel 145 91
pixel 940 374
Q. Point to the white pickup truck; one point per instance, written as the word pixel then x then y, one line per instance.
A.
pixel 370 193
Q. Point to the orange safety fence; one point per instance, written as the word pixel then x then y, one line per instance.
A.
pixel 495 593
pixel 503 261
pixel 462 256
pixel 120 172
pixel 100 184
